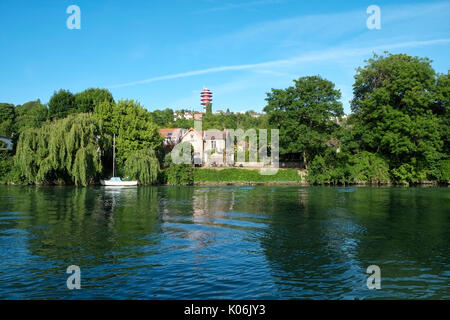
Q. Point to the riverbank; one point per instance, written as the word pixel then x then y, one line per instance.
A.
pixel 252 177
pixel 246 176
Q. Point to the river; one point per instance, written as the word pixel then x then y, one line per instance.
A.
pixel 227 242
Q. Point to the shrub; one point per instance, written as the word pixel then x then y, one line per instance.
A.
pixel 244 175
pixel 369 167
pixel 444 166
pixel 180 174
pixel 5 168
pixel 407 173
pixel 318 172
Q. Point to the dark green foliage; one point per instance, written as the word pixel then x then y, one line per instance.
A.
pixel 6 163
pixel 318 171
pixel 244 175
pixel 396 107
pixel 9 171
pixel 441 108
pixel 163 118
pixel 303 114
pixel 177 174
pixel 86 100
pixel 368 167
pixel 407 173
pixel 30 115
pixel 180 174
pixel 132 125
pixel 7 118
pixel 322 172
pixel 61 104
pixel 444 168
pixel 208 108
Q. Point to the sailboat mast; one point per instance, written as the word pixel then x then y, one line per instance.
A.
pixel 114 154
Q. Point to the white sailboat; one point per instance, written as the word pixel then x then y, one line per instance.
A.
pixel 116 181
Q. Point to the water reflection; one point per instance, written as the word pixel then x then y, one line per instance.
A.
pixel 325 253
pixel 224 242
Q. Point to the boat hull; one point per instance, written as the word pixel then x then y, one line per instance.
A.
pixel 118 183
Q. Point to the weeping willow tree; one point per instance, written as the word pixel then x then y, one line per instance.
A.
pixel 66 150
pixel 142 165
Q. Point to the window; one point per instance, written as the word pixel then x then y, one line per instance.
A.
pixel 213 143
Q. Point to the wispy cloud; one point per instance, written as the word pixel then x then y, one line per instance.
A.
pixel 325 55
pixel 313 30
pixel 238 5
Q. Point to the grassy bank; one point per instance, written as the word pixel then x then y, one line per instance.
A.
pixel 237 176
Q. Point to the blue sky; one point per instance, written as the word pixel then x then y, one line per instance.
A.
pixel 161 53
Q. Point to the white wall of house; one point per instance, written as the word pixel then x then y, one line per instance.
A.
pixel 195 139
pixel 214 151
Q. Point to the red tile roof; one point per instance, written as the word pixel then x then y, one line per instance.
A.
pixel 168 132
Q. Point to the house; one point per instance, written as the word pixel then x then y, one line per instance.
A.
pixel 212 148
pixel 209 147
pixel 171 136
pixel 187 115
pixel 182 115
pixel 214 143
pixel 195 138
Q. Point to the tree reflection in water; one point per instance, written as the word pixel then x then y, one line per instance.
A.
pixel 224 242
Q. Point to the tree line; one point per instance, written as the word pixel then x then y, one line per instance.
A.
pixel 398 131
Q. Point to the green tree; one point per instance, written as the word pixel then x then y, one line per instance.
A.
pixel 208 108
pixel 30 115
pixel 61 104
pixel 394 107
pixel 162 118
pixel 441 108
pixel 142 165
pixel 132 125
pixel 303 114
pixel 86 100
pixel 67 150
pixel 7 118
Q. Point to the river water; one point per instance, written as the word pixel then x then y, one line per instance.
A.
pixel 230 242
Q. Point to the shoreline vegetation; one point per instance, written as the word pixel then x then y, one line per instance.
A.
pixel 397 134
pixel 252 177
